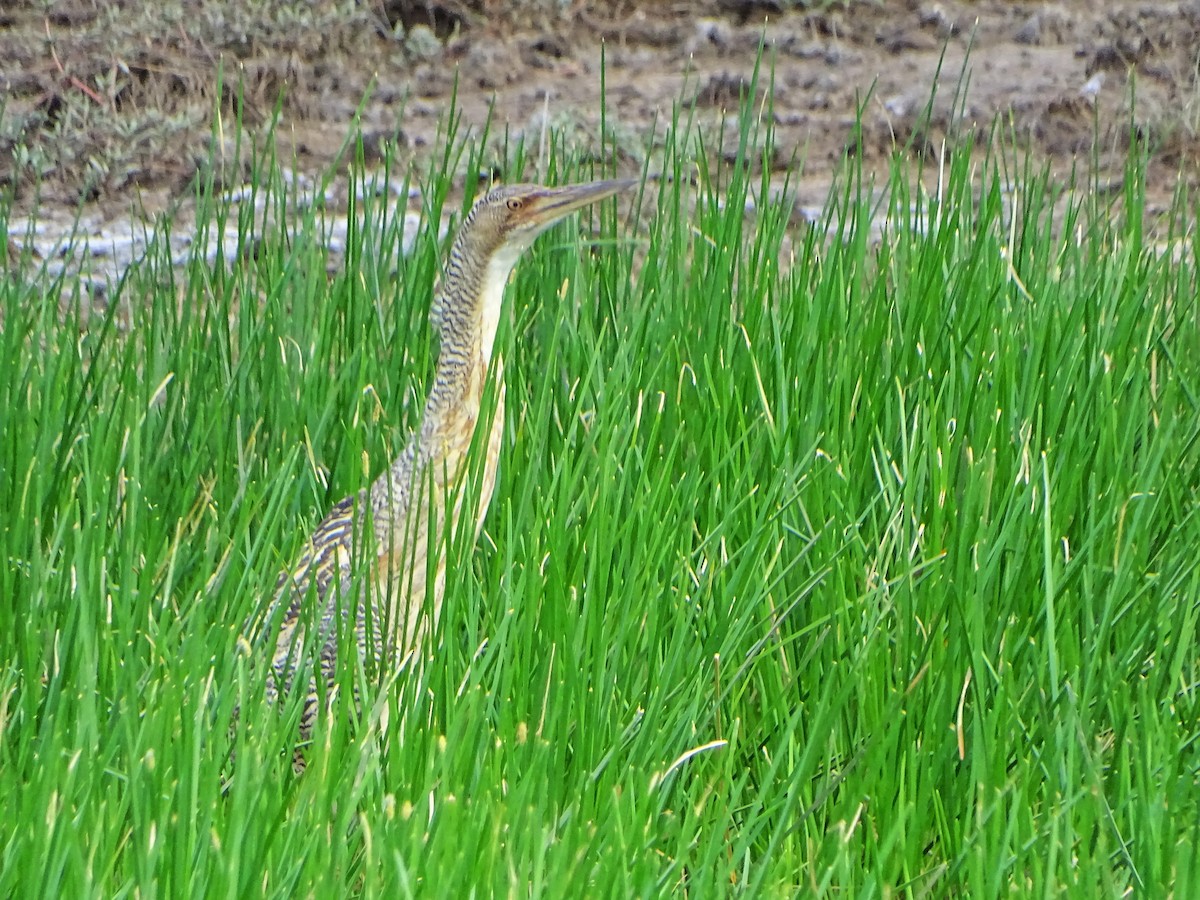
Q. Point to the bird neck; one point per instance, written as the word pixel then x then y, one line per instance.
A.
pixel 469 308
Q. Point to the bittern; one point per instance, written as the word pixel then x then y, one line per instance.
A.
pixel 400 525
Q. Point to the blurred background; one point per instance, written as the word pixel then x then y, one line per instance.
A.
pixel 116 107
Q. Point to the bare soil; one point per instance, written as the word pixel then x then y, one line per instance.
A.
pixel 111 105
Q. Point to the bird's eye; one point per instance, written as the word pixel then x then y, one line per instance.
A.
pixel 514 203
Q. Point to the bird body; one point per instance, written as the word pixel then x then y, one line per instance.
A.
pixel 408 515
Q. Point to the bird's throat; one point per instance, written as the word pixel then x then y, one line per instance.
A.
pixel 491 299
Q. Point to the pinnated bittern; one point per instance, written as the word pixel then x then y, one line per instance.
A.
pixel 400 524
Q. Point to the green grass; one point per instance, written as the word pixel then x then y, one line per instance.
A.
pixel 815 566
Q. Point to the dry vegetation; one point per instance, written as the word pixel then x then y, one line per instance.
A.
pixel 102 99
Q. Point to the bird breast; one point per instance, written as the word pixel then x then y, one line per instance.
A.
pixel 414 582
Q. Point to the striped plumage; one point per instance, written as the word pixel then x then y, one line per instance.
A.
pixel 395 598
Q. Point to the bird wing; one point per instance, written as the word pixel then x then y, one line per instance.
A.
pixel 322 572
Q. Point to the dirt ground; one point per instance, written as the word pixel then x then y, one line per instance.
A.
pixel 110 105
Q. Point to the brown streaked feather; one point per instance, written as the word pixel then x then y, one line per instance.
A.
pixel 403 519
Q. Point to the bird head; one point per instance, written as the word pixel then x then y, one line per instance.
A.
pixel 509 218
pixel 501 226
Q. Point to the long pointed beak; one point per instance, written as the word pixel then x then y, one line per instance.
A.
pixel 556 202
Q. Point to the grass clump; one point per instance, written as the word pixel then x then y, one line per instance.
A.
pixel 817 564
